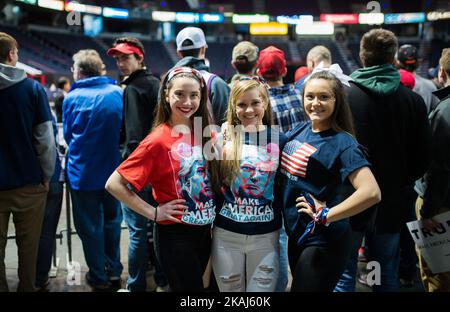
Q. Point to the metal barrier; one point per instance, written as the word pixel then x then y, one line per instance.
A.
pixel 68 230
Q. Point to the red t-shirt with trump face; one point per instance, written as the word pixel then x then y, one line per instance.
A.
pixel 174 166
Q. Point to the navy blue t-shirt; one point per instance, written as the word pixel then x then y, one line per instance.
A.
pixel 23 106
pixel 316 163
pixel 248 202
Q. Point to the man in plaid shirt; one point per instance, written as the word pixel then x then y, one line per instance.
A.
pixel 285 99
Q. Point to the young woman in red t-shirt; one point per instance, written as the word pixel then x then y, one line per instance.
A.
pixel 171 160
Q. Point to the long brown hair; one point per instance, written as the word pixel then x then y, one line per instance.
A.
pixel 163 113
pixel 341 119
pixel 230 166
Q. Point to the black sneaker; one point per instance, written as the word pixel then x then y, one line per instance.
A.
pixel 406 282
pixel 44 287
pixel 97 287
pixel 115 282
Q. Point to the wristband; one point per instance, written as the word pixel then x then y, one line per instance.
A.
pixel 321 216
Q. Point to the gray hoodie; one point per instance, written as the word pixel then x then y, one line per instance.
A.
pixel 10 75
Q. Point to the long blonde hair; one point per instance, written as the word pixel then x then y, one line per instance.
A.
pixel 230 166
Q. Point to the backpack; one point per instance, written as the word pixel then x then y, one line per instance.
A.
pixel 209 77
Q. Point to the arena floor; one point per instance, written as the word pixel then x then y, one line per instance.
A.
pixel 60 282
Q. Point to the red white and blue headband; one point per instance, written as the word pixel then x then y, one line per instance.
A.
pixel 185 70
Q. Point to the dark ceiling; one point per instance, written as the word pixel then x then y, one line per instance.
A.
pixel 288 7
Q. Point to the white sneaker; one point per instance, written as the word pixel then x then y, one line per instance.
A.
pixel 162 289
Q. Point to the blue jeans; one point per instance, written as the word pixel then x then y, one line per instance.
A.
pixel 48 232
pixel 383 248
pixel 283 259
pixel 137 246
pixel 97 217
pixel 408 257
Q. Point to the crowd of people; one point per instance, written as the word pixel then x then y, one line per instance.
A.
pixel 236 182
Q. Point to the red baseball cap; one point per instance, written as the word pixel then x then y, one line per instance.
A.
pixel 407 79
pixel 271 62
pixel 301 72
pixel 124 48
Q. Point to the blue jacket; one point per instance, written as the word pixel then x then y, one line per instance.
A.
pixel 92 117
pixel 27 147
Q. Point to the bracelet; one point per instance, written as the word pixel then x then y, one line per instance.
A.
pixel 321 216
pixel 156 213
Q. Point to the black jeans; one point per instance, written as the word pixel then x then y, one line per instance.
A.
pixel 158 276
pixel 48 232
pixel 183 252
pixel 318 268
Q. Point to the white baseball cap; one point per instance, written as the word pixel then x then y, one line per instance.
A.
pixel 194 34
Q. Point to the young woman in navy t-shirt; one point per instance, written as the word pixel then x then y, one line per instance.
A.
pixel 319 157
pixel 245 234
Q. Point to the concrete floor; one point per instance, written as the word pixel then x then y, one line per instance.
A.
pixel 61 274
pixel 60 280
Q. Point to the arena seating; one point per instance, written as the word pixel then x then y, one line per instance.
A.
pixel 52 52
pixel 38 53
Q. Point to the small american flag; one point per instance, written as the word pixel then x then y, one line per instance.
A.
pixel 295 157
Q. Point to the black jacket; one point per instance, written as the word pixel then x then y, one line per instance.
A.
pixel 58 99
pixel 139 101
pixel 434 187
pixel 395 130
